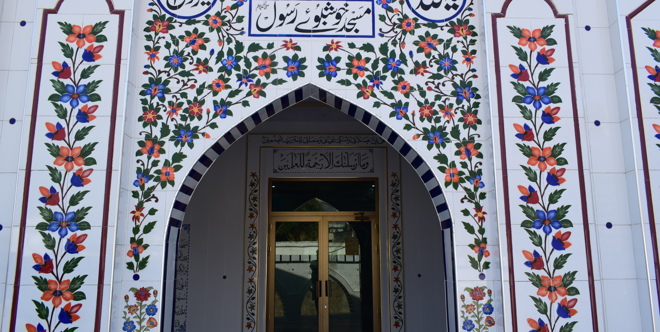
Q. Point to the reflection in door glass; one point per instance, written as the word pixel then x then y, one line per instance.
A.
pixel 296 276
pixel 350 267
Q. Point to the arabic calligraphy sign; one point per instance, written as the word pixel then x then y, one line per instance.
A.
pixel 325 160
pixel 437 10
pixel 186 8
pixel 332 18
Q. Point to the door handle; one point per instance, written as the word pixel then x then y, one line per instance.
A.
pixel 327 288
pixel 319 290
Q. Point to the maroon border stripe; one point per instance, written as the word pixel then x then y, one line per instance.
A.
pixel 580 164
pixel 642 139
pixel 28 165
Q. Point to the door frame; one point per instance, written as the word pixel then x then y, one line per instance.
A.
pixel 323 218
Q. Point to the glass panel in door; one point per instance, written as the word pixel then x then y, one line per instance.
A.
pixel 350 277
pixel 296 277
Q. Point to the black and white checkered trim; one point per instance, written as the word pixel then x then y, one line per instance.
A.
pixel 311 91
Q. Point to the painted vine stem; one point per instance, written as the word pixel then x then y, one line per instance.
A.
pixel 396 253
pixel 536 98
pixel 178 110
pixel 251 253
pixel 64 220
pixel 433 112
pixel 654 74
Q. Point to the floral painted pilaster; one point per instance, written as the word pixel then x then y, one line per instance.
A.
pixel 396 254
pixel 140 310
pixel 64 217
pixel 251 254
pixel 654 73
pixel 547 224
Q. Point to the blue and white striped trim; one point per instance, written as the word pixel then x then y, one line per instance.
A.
pixel 311 91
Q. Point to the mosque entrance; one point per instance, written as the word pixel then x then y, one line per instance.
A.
pixel 323 271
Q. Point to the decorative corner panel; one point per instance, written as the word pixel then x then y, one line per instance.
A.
pixel 548 240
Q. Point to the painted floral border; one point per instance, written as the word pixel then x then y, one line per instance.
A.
pixel 396 255
pixel 547 223
pixel 251 255
pixel 654 73
pixel 64 220
pixel 476 314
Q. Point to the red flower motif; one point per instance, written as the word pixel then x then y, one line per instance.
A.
pixel 525 133
pixel 142 294
pixel 256 90
pixel 429 44
pixel 421 70
pixel 218 85
pixel 149 116
pixel 167 173
pixel 151 149
pixel 160 26
pixel 480 214
pixel 477 294
pixel 468 151
pixel 529 195
pixel 263 64
pixel 534 260
pixel 152 55
pixel 358 67
pixel 135 250
pixel 462 30
pixel 470 119
pixel 49 196
pixel 536 326
pixel 426 111
pixel 62 71
pixel 44 265
pixel 137 214
pixel 468 60
pixel 451 175
pixel 215 22
pixel 201 68
pixel 195 109
pixel 403 87
pixel 194 41
pixel 56 132
pixel 333 46
pixel 520 73
pixel 289 45
pixel 408 24
pixel 367 91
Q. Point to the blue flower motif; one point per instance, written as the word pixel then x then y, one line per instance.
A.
pixel 63 224
pixel 330 67
pixel 464 93
pixel 537 97
pixel 547 222
pixel 383 3
pixel 240 2
pixel 487 308
pixel 156 90
pixel 74 96
pixel 476 181
pixel 393 64
pixel 435 138
pixel 141 178
pixel 175 60
pixel 468 325
pixel 244 80
pixel 400 111
pixel 446 63
pixel 129 326
pixel 151 310
pixel 221 110
pixel 229 62
pixel 292 68
pixel 376 82
pixel 185 136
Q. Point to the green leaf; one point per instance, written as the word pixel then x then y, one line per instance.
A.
pixel 573 291
pixel 568 279
pixel 84 226
pixel 556 99
pixel 540 305
pixel 41 309
pixel 520 88
pixel 536 239
pixel 46 213
pixel 55 174
pixel 88 72
pixel 549 134
pixel 90 161
pixel 87 149
pixel 83 132
pixel 562 162
pixel 71 264
pixel 77 197
pixel 568 327
pixel 525 112
pixel 42 226
pixel 526 224
pixel 566 223
pixel 143 263
pixel 525 149
pixel 41 283
pixel 92 86
pixel 130 266
pixel 58 86
pixel 49 240
pixel 535 279
pixel 551 88
pixel 650 33
pixel 99 27
pixel 562 211
pixel 79 296
pixel 53 149
pixel 515 31
pixel 530 173
pixel 81 214
pixel 149 227
pixel 544 75
pixel 473 262
pixel 555 196
pixel 547 31
pixel 557 150
pixel 560 261
pixel 655 54
pixel 522 54
pixel 468 227
pixel 61 112
pixel 77 282
pixel 529 211
pixel 67 50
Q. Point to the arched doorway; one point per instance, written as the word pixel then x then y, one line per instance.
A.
pixel 226 263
